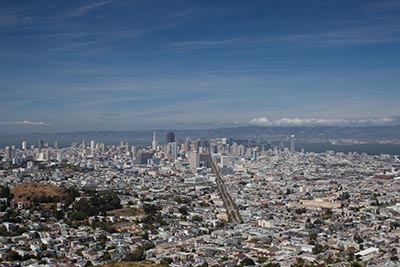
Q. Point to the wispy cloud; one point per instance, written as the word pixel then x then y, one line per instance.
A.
pixel 11 16
pixel 264 121
pixel 27 123
pixel 109 116
pixel 355 36
pixel 202 44
pixel 85 9
pixel 386 5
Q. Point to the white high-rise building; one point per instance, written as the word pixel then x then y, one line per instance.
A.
pixel 154 142
pixel 225 161
pixel 187 145
pixel 92 145
pixel 194 160
pixel 24 145
pixel 292 143
pixel 234 149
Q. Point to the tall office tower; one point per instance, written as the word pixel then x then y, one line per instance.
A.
pixel 225 161
pixel 92 145
pixel 143 157
pixel 171 151
pixel 171 147
pixel 170 137
pixel 204 160
pixel 8 153
pixel 267 146
pixel 196 145
pixel 124 145
pixel 154 142
pixel 234 149
pixel 248 152
pixel 24 145
pixel 46 155
pixel 41 143
pixel 194 160
pixel 187 144
pixel 292 143
pixel 241 150
pixel 204 144
pixel 255 154
pixel 102 147
pixel 213 148
pixel 55 144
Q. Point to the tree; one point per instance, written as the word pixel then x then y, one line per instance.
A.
pixel 59 214
pixel 69 195
pixel 183 210
pixel 197 218
pixel 106 256
pixel 317 249
pixel 137 255
pixel 247 262
pixel 166 261
pixel 150 209
pixel 78 216
pixel 344 196
pixel 13 256
pixel 357 238
pixel 5 192
pixel 358 264
pixel 85 206
pixel 313 236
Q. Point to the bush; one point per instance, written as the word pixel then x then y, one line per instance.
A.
pixel 166 261
pixel 247 262
pixel 78 215
pixel 137 255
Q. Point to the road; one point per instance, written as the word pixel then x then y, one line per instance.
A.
pixel 230 206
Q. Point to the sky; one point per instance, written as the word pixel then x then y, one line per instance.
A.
pixel 143 64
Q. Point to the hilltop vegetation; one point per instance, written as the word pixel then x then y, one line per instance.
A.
pixel 42 193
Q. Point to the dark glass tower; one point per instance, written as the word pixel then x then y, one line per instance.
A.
pixel 170 137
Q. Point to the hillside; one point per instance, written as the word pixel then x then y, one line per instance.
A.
pixel 35 191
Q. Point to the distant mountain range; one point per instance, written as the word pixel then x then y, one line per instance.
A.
pixel 259 134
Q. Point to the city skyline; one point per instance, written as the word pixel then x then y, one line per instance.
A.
pixel 123 65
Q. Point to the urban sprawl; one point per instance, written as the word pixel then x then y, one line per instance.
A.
pixel 217 202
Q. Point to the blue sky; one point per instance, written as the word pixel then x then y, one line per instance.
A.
pixel 125 64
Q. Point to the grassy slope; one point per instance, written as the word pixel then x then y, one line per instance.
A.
pixel 24 191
